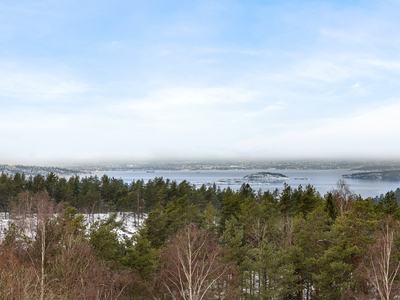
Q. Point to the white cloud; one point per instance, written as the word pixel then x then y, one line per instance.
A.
pixel 391 65
pixel 183 87
pixel 371 133
pixel 345 35
pixel 173 99
pixel 265 110
pixel 27 84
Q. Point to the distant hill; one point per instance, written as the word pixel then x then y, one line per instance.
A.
pixel 35 170
pixel 393 175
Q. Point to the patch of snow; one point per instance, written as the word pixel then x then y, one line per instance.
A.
pixel 129 228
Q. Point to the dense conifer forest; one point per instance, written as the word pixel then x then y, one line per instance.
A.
pixel 196 242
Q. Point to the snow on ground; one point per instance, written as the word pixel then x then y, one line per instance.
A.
pixel 128 229
pixel 3 224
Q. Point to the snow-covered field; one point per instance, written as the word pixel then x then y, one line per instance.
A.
pixel 128 229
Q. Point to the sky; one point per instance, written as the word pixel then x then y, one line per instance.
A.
pixel 89 81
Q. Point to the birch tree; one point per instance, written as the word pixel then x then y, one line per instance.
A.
pixel 384 264
pixel 190 265
pixel 343 197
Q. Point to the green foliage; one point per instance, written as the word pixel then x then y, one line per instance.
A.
pixel 286 201
pixel 246 191
pixel 104 239
pixel 211 220
pixel 351 235
pixel 230 207
pixel 308 201
pixel 13 236
pixel 72 222
pixel 273 271
pixel 156 227
pixel 162 223
pixel 330 208
pixel 139 255
pixel 233 242
pixel 270 203
pixel 389 206
pixel 179 212
pixel 312 236
pixel 288 244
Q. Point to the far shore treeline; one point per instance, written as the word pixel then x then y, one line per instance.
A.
pixel 195 242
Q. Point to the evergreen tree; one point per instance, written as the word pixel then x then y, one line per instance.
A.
pixel 311 239
pixel 231 207
pixel 286 202
pixel 139 255
pixel 211 220
pixel 165 222
pixel 156 227
pixel 389 206
pixel 330 208
pixel 351 235
pixel 104 239
pixel 309 200
pixel 235 252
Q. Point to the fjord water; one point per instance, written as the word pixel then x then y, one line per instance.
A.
pixel 322 180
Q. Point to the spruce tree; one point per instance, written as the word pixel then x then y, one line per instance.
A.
pixel 330 208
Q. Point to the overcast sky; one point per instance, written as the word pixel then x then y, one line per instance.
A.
pixel 85 81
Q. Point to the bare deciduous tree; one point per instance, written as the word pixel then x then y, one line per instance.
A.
pixel 342 197
pixel 190 265
pixel 383 267
pixel 32 214
pixel 44 257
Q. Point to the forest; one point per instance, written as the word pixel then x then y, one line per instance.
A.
pixel 195 242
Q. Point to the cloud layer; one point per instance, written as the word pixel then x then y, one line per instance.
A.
pixel 130 80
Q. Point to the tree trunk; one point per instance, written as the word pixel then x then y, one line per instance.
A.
pixel 43 258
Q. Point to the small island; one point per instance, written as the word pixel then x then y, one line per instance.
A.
pixel 265 176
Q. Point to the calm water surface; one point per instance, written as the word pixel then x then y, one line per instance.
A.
pixel 322 180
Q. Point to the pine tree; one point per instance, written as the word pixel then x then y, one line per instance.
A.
pixel 389 206
pixel 104 239
pixel 231 208
pixel 235 252
pixel 210 221
pixel 139 255
pixel 330 208
pixel 308 201
pixel 351 235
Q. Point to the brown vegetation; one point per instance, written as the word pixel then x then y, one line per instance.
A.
pixel 191 269
pixel 382 266
pixel 43 256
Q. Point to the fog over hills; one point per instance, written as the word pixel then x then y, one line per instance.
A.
pixel 373 167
